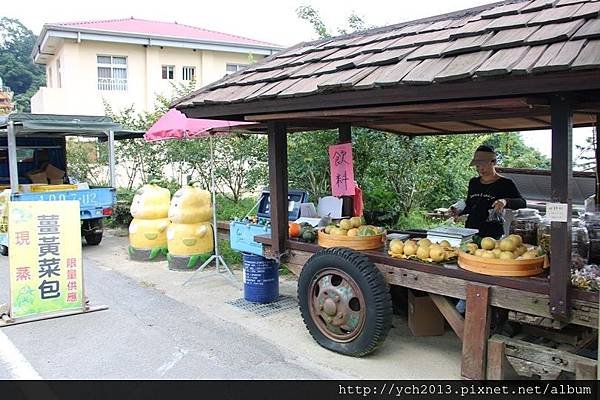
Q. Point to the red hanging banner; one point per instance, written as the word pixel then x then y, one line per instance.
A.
pixel 341 168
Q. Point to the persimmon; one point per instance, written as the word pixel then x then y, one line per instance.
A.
pixel 294 229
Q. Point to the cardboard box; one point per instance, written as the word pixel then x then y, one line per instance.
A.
pixel 56 181
pixel 424 319
pixel 54 173
pixel 37 176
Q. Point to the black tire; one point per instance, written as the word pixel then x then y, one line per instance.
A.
pixel 92 231
pixel 93 239
pixel 3 250
pixel 347 268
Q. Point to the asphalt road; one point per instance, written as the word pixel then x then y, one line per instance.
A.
pixel 143 335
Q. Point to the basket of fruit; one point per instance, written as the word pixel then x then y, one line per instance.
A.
pixel 506 257
pixel 352 233
pixel 423 250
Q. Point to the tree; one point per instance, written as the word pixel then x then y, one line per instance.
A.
pixel 310 15
pixel 514 153
pixel 16 67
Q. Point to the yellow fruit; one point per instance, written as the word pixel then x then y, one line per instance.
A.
pixel 506 255
pixel 520 250
pixel 472 248
pixel 488 243
pixel 410 242
pixel 437 254
pixel 497 253
pixel 423 252
pixel 508 245
pixel 352 232
pixel 479 252
pixel 445 243
pixel 424 242
pixel 396 246
pixel 410 249
pixel 346 224
pixel 356 221
pixel 338 232
pixel 531 254
pixel 328 228
pixel 488 254
pixel 516 238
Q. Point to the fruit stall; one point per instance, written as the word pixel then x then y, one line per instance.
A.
pixel 419 88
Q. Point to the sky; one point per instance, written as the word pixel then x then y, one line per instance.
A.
pixel 272 21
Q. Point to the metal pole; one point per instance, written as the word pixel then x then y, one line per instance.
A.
pixel 12 158
pixel 111 158
pixel 213 188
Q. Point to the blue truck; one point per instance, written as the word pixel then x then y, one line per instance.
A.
pixel 29 142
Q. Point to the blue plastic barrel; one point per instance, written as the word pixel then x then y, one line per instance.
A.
pixel 261 279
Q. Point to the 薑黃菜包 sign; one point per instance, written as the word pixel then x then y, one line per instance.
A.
pixel 44 257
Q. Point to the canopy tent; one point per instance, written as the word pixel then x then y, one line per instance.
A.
pixel 65 125
pixel 53 126
pixel 175 125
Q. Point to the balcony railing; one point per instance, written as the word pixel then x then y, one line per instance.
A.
pixel 112 84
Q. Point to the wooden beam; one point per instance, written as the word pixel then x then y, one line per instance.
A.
pixel 448 310
pixel 345 133
pixel 278 186
pixel 476 332
pixel 519 102
pixel 561 182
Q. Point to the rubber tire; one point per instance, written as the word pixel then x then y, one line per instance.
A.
pixel 375 291
pixel 93 239
pixel 4 250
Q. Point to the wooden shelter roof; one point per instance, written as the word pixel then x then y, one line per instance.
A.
pixel 512 53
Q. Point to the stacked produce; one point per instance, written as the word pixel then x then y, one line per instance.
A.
pixel 351 227
pixel 510 248
pixel 304 232
pixel 585 276
pixel 423 250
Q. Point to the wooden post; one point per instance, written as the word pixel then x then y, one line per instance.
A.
pixel 597 151
pixel 496 360
pixel 278 186
pixel 345 133
pixel 476 332
pixel 561 180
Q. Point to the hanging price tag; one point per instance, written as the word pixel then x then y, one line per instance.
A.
pixel 557 212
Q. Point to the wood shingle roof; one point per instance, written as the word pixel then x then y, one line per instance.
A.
pixel 501 40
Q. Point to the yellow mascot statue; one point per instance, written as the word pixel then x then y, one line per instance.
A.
pixel 190 235
pixel 148 229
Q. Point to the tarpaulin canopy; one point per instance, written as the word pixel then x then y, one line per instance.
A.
pixel 175 125
pixel 65 125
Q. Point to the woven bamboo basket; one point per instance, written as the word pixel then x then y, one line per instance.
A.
pixel 351 242
pixel 496 267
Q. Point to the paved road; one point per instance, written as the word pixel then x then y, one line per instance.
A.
pixel 143 335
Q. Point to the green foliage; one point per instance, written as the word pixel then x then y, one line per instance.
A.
pixel 309 14
pixel 231 257
pixel 87 161
pixel 514 153
pixel 228 209
pixel 308 162
pixel 16 68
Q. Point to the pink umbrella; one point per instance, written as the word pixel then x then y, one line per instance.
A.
pixel 175 125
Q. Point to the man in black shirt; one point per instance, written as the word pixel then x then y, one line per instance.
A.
pixel 488 191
